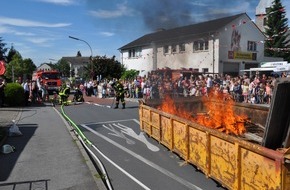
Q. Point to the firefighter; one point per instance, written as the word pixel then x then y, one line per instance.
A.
pixel 64 94
pixel 119 93
pixel 78 96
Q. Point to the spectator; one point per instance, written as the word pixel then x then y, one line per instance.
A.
pixel 269 92
pixel 90 88
pixel 261 91
pixel 104 90
pixel 34 92
pixel 43 91
pixel 237 90
pixel 245 91
pixel 209 82
pixel 95 88
pixel 26 87
pixel 193 90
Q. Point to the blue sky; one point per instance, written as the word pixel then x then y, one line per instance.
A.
pixel 39 29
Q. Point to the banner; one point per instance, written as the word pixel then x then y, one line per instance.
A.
pixel 242 55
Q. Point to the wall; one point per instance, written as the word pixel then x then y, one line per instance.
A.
pixel 143 63
pixel 186 59
pixel 218 52
pixel 234 37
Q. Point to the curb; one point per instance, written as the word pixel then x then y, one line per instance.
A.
pixel 99 183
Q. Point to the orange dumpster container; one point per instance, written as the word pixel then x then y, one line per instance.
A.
pixel 232 161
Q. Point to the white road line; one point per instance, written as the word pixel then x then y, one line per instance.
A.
pixel 116 121
pixel 100 105
pixel 121 169
pixel 144 160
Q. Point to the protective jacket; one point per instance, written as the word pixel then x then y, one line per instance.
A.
pixel 119 93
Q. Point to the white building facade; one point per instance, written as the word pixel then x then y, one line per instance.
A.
pixel 261 13
pixel 225 45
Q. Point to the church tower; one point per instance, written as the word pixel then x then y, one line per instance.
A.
pixel 261 11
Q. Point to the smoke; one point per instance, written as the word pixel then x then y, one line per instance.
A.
pixel 166 14
pixel 172 13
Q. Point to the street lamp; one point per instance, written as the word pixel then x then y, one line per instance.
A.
pixel 91 57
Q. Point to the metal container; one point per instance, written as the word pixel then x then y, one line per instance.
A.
pixel 232 161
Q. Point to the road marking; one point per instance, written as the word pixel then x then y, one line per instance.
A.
pixel 144 160
pixel 117 133
pixel 121 169
pixel 130 132
pixel 100 105
pixel 115 121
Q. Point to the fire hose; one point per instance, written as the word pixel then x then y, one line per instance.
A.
pixel 86 142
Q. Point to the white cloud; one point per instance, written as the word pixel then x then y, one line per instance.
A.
pixel 201 4
pixel 9 30
pixel 38 40
pixel 29 23
pixel 107 33
pixel 4 30
pixel 121 10
pixel 59 2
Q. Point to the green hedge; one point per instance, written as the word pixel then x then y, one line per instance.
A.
pixel 14 94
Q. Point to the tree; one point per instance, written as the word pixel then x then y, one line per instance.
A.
pixel 19 68
pixel 13 69
pixel 276 44
pixel 130 74
pixel 11 53
pixel 63 67
pixel 2 50
pixel 107 67
pixel 27 68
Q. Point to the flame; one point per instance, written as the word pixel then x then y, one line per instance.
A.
pixel 220 114
pixel 169 106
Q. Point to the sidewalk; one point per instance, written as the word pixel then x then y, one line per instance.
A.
pixel 47 155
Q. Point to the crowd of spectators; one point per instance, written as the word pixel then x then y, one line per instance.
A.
pixel 257 89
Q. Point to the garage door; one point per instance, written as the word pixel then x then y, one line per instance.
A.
pixel 230 67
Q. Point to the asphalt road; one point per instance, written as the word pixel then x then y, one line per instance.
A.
pixel 132 159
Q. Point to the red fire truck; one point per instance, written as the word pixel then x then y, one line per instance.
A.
pixel 50 78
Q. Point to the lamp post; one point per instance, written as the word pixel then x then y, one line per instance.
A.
pixel 91 57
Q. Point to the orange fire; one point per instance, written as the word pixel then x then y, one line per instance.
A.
pixel 220 114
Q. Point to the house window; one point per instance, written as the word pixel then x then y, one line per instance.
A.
pixel 182 47
pixel 132 53
pixel 252 46
pixel 166 49
pixel 265 21
pixel 195 46
pixel 200 45
pixel 137 52
pixel 174 48
pixel 206 45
